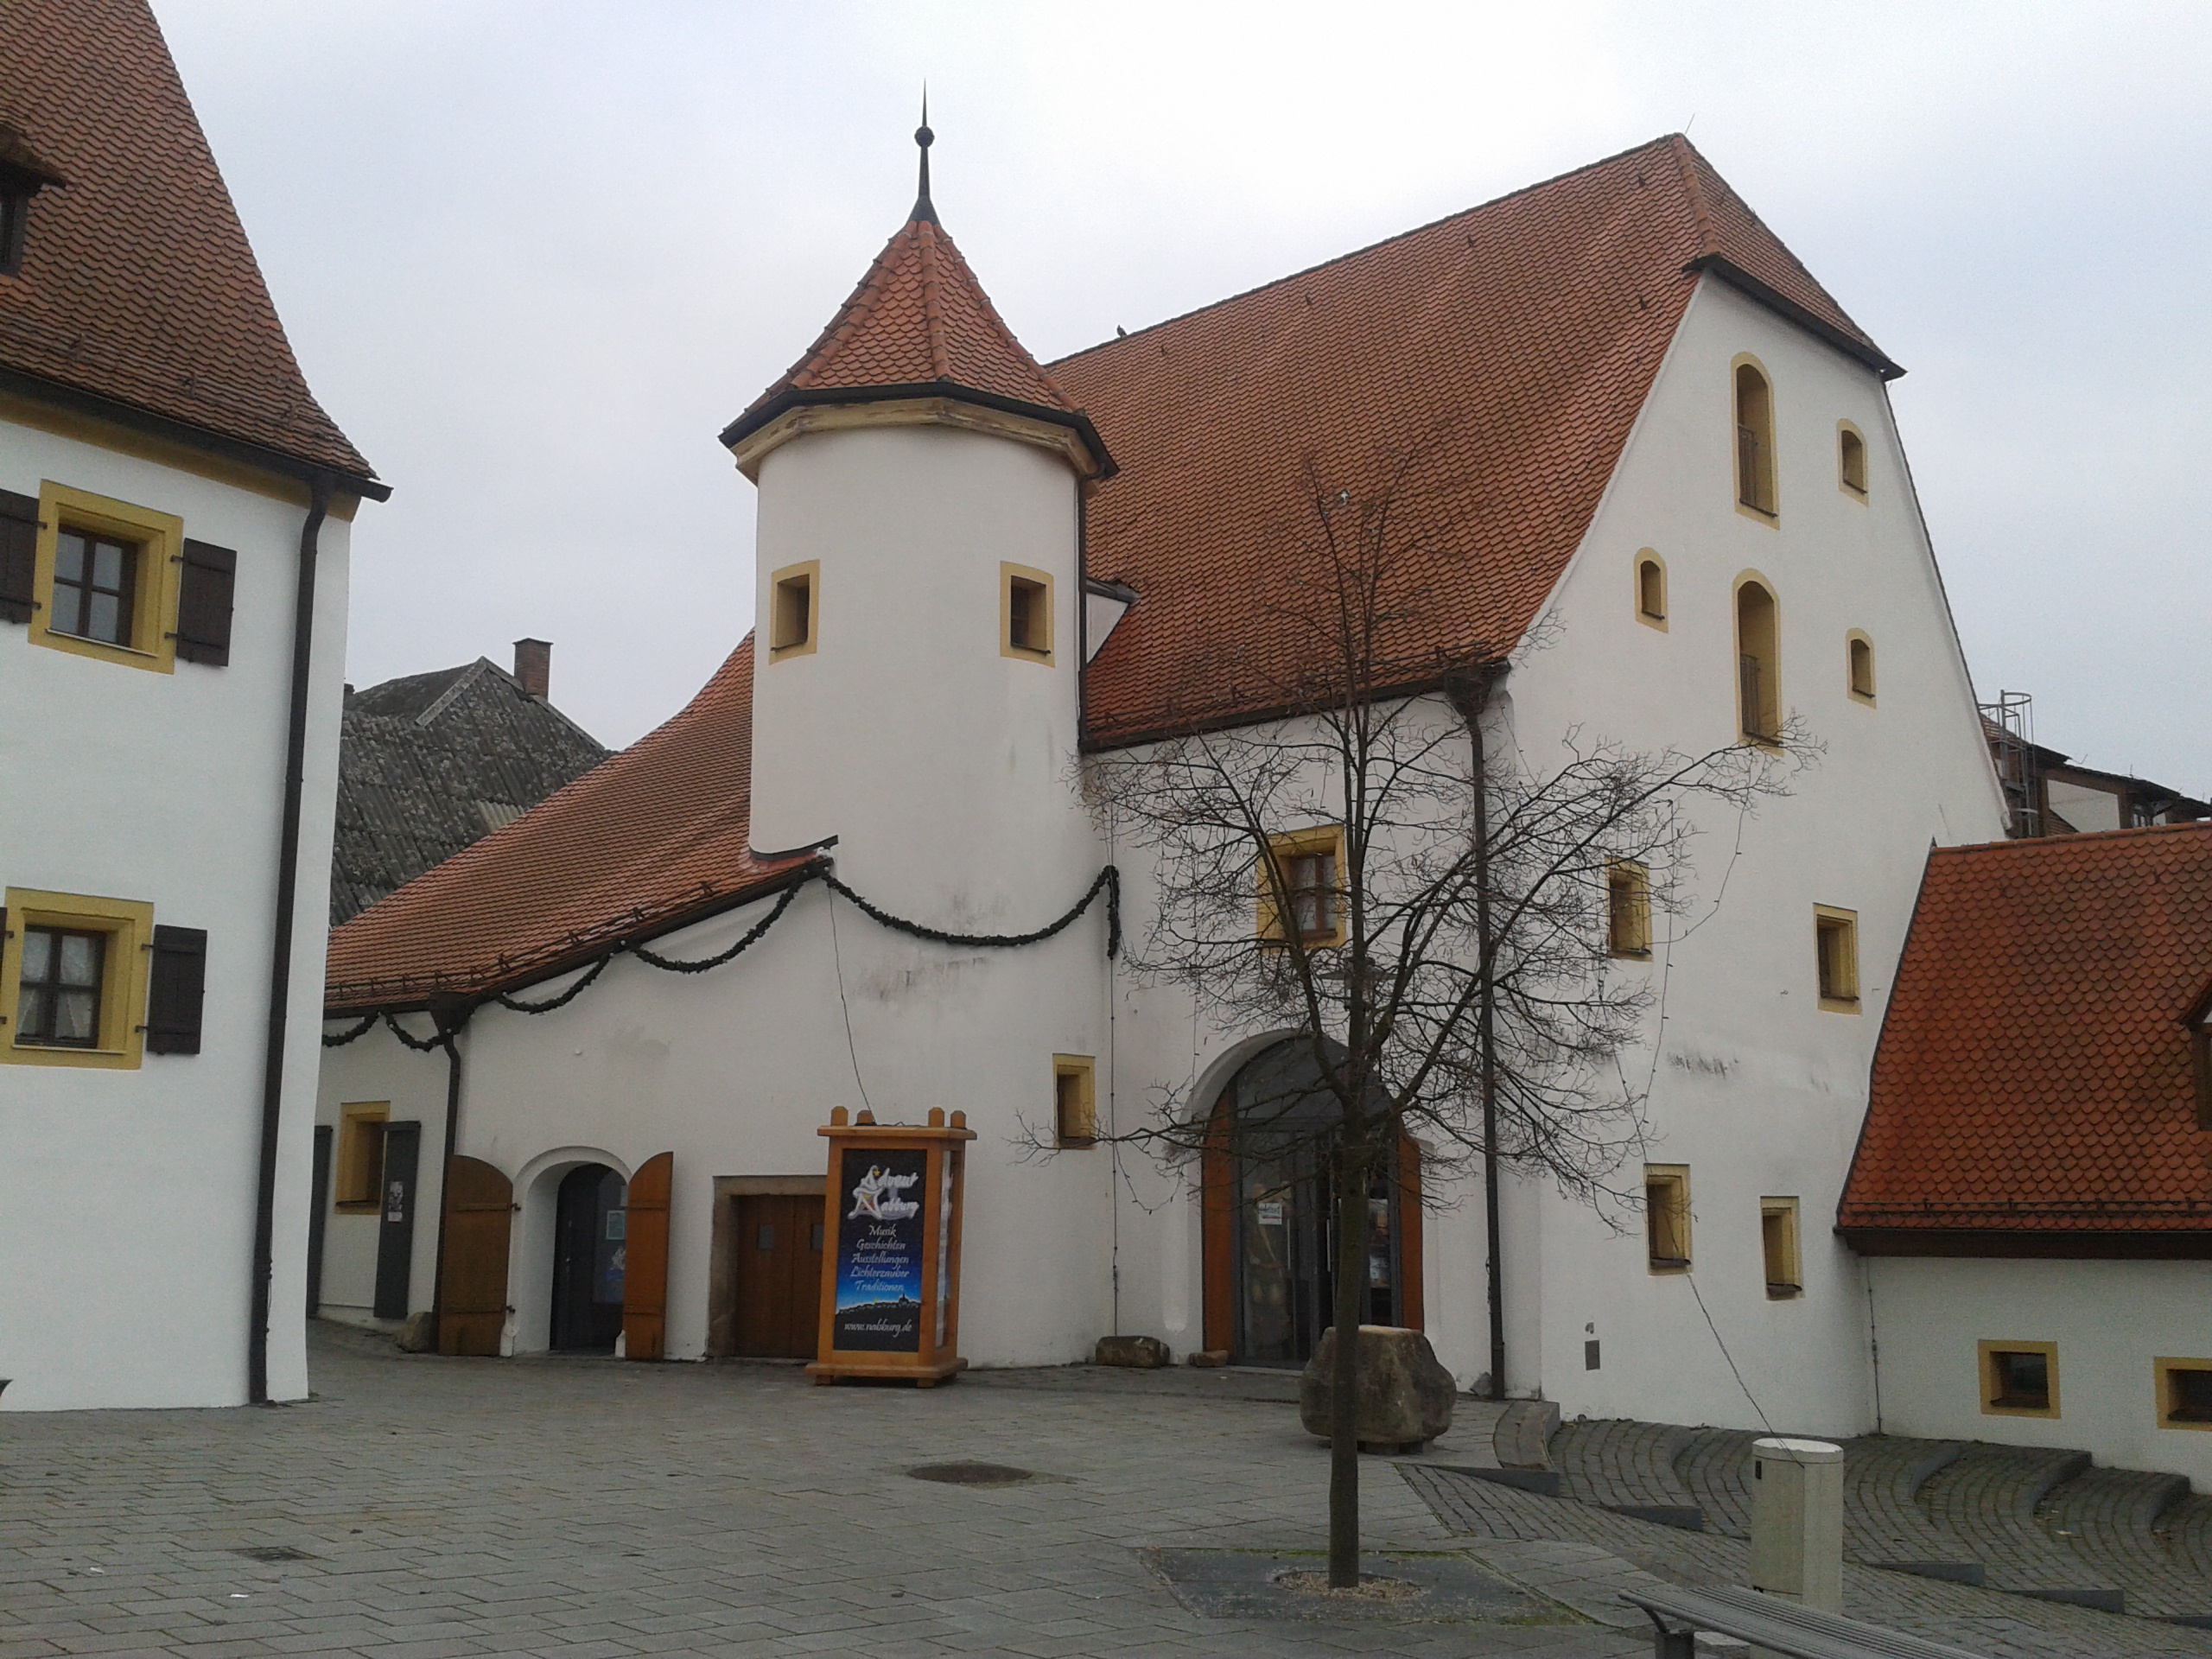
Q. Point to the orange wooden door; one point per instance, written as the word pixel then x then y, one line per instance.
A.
pixel 644 1265
pixel 779 1276
pixel 472 1292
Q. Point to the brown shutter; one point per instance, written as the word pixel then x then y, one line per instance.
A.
pixel 645 1261
pixel 203 603
pixel 472 1292
pixel 178 978
pixel 18 555
pixel 1411 1311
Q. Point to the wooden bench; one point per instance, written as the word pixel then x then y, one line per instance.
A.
pixel 1777 1626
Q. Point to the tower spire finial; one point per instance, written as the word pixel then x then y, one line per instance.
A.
pixel 923 138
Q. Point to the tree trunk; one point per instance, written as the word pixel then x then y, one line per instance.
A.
pixel 1343 1421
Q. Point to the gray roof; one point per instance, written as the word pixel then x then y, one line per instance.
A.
pixel 430 763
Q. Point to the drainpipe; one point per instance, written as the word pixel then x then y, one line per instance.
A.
pixel 280 947
pixel 1470 695
pixel 450 1014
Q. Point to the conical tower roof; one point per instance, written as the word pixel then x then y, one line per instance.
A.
pixel 918 325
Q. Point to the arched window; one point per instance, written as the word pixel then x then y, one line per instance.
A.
pixel 1860 664
pixel 1755 477
pixel 1651 590
pixel 1851 459
pixel 1758 677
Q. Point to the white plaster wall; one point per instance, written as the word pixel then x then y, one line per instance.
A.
pixel 2110 1319
pixel 127 1197
pixel 1753 1085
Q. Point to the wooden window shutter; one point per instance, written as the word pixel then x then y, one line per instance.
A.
pixel 471 1305
pixel 203 603
pixel 18 555
pixel 645 1260
pixel 178 978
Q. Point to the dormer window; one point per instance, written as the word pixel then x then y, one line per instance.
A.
pixel 22 175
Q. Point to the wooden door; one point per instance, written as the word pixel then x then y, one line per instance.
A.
pixel 645 1277
pixel 472 1288
pixel 778 1281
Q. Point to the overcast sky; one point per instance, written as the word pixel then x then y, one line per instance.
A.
pixel 533 257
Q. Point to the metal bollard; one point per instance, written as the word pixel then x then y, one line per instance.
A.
pixel 1798 1521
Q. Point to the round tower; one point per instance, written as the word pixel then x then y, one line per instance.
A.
pixel 918 584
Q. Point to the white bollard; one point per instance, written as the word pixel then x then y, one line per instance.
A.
pixel 1798 1521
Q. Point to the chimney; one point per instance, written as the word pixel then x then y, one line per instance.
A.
pixel 533 665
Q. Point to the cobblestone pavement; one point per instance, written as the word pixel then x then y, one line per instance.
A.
pixel 1554 1545
pixel 422 1508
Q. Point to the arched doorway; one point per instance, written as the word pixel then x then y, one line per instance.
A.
pixel 1270 1218
pixel 589 1246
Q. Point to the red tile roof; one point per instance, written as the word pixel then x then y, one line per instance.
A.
pixel 1521 338
pixel 137 285
pixel 919 318
pixel 2034 1072
pixel 655 834
pixel 1513 344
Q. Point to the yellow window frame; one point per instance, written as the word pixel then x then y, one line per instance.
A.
pixel 1628 910
pixel 128 924
pixel 2162 1371
pixel 349 1176
pixel 160 539
pixel 1985 1374
pixel 810 574
pixel 1328 838
pixel 1840 995
pixel 1039 583
pixel 1673 1185
pixel 1075 1099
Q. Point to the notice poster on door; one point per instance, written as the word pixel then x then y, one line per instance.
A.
pixel 879 1308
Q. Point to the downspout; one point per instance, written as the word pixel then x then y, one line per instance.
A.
pixel 280 947
pixel 1469 695
pixel 451 1015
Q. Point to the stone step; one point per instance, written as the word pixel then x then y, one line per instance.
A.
pixel 2110 1519
pixel 1620 1465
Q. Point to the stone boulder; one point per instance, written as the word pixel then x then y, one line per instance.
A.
pixel 420 1334
pixel 1144 1353
pixel 1404 1394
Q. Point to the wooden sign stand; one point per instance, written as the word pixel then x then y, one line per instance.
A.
pixel 890 1226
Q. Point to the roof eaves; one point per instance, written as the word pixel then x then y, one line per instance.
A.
pixel 803 396
pixel 38 388
pixel 1737 277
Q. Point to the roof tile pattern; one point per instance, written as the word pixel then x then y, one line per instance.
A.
pixel 2034 1072
pixel 655 833
pixel 919 316
pixel 137 283
pixel 431 763
pixel 1509 346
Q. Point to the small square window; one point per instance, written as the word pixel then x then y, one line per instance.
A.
pixel 357 1180
pixel 95 587
pixel 1306 881
pixel 1666 1217
pixel 1778 1248
pixel 1628 909
pixel 73 977
pixel 793 623
pixel 1835 936
pixel 2019 1379
pixel 1075 1113
pixel 107 579
pixel 1024 613
pixel 2184 1393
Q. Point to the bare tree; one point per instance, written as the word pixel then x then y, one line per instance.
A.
pixel 1435 915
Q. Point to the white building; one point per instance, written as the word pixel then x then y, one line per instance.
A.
pixel 1640 416
pixel 2032 1192
pixel 174 519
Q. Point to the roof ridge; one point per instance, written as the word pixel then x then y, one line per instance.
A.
pixel 1370 247
pixel 2075 839
pixel 1680 143
pixel 932 298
